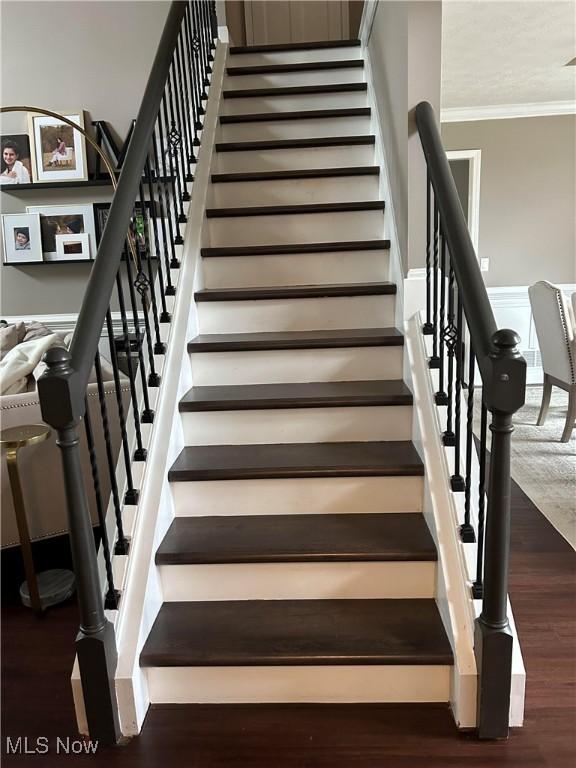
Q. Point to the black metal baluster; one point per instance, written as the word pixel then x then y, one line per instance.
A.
pixel 428 328
pixel 143 244
pixel 147 414
pixel 131 495
pixel 168 186
pixel 466 529
pixel 441 398
pixel 457 481
pixel 140 453
pixel 175 139
pixel 434 361
pixel 205 10
pixel 153 209
pixel 213 24
pixel 195 62
pixel 201 52
pixel 450 337
pixel 477 587
pixel 166 222
pixel 194 96
pixel 121 547
pixel 112 594
pixel 174 176
pixel 186 105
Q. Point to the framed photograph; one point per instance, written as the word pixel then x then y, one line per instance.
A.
pixel 22 238
pixel 64 220
pixel 73 247
pixel 58 150
pixel 15 163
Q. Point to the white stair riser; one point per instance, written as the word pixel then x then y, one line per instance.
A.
pixel 287 79
pixel 297 496
pixel 296 314
pixel 293 159
pixel 298 425
pixel 294 57
pixel 344 189
pixel 305 684
pixel 293 102
pixel 295 129
pixel 296 269
pixel 296 228
pixel 298 581
pixel 296 365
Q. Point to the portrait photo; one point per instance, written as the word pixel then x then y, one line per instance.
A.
pixel 15 163
pixel 58 150
pixel 22 238
pixel 56 220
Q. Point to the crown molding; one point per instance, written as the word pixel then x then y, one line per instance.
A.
pixel 507 111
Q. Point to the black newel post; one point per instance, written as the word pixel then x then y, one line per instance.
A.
pixel 62 408
pixel 493 637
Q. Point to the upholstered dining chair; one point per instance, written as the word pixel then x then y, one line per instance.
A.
pixel 556 332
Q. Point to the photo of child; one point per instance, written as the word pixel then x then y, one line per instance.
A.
pixel 57 147
pixel 22 239
pixel 15 160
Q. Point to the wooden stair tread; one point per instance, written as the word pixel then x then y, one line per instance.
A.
pixel 297 208
pixel 297 460
pixel 297 632
pixel 300 66
pixel 295 292
pixel 329 394
pixel 294 248
pixel 304 173
pixel 338 338
pixel 279 47
pixel 293 90
pixel 301 114
pixel 390 537
pixel 320 141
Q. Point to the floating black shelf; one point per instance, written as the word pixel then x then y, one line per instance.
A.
pixel 41 263
pixel 105 182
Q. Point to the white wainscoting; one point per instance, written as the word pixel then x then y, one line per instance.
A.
pixel 511 307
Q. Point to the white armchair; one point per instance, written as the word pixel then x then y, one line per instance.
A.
pixel 556 331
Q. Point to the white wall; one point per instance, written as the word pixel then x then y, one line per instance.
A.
pixel 404 47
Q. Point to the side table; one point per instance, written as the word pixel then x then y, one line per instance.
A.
pixel 53 586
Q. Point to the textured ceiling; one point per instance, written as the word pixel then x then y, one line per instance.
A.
pixel 497 52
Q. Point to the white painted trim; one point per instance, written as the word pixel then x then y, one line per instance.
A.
pixel 396 268
pixel 368 13
pixel 221 21
pixel 475 157
pixel 142 596
pixel 507 111
pixel 454 601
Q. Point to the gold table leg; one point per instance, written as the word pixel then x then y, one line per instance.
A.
pixel 22 523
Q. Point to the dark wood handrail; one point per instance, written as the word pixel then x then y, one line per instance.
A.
pixel 102 278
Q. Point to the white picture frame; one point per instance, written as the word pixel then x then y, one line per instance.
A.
pixel 63 219
pixel 58 150
pixel 66 247
pixel 15 249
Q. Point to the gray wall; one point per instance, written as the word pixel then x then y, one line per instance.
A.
pixel 527 196
pixel 70 55
pixel 404 49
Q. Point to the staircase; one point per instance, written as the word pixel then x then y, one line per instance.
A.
pixel 298 566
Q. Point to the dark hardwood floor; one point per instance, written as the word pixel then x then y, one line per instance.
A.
pixel 37 659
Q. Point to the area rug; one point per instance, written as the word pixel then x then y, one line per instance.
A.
pixel 542 466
